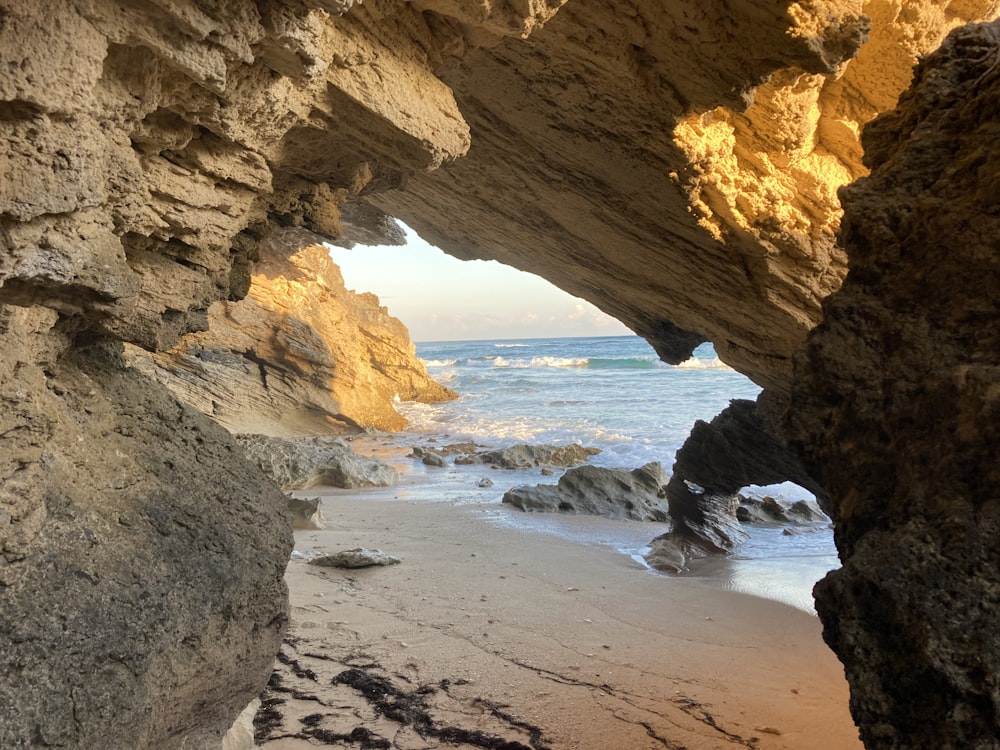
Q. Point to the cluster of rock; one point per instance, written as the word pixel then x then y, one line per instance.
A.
pixel 307 462
pixel 520 456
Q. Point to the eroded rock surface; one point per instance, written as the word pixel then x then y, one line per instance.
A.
pixel 898 411
pixel 300 355
pixel 141 556
pixel 637 495
pixel 308 462
pixel 674 163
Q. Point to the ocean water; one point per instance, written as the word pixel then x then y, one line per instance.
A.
pixel 615 394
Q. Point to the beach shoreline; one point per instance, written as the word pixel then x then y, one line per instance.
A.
pixel 490 633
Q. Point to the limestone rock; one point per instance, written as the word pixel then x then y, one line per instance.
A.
pixel 359 557
pixel 770 511
pixel 307 513
pixel 300 355
pixel 743 445
pixel 738 155
pixel 524 456
pixel 897 409
pixel 308 462
pixel 141 556
pixel 636 495
pixel 429 456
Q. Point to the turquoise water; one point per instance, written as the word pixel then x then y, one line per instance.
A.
pixel 608 392
pixel 615 394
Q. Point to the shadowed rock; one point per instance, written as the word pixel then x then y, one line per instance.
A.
pixel 636 495
pixel 897 410
pixel 138 578
pixel 742 446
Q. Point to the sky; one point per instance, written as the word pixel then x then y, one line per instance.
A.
pixel 441 298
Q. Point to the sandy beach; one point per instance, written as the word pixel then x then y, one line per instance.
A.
pixel 492 634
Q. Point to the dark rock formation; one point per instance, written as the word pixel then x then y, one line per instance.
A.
pixel 636 495
pixel 308 462
pixel 741 446
pixel 897 409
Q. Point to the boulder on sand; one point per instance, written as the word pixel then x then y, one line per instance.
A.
pixel 359 557
pixel 636 495
pixel 307 462
pixel 307 513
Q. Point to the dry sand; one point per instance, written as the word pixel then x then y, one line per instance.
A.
pixel 493 635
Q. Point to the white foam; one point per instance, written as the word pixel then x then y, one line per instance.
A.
pixel 711 363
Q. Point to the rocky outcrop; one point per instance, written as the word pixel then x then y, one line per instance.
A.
pixel 743 445
pixel 768 510
pixel 704 146
pixel 141 556
pixel 674 163
pixel 519 456
pixel 300 355
pixel 636 495
pixel 898 412
pixel 524 456
pixel 308 462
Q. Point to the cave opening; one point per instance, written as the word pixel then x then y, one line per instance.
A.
pixel 534 365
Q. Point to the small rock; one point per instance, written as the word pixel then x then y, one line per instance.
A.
pixel 767 730
pixel 306 513
pixel 359 557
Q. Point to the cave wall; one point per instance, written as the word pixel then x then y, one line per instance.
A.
pixel 675 164
pixel 897 409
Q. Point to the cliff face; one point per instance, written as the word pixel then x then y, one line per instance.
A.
pixel 674 163
pixel 300 356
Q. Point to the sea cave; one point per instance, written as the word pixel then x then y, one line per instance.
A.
pixel 812 187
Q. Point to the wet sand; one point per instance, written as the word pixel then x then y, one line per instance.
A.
pixel 491 634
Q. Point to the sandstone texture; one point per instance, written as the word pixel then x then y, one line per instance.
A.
pixel 674 163
pixel 141 556
pixel 300 355
pixel 898 412
pixel 308 462
pixel 636 495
